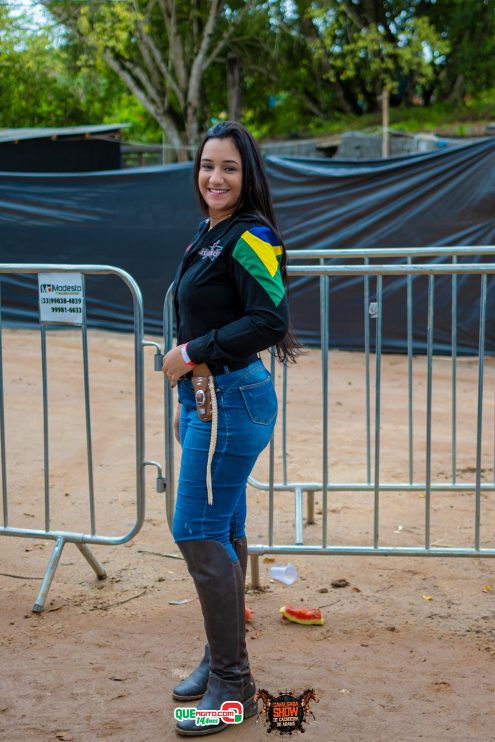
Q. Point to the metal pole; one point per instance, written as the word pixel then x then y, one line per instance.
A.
pixel 284 422
pixel 92 560
pixel 271 470
pixel 429 387
pixel 168 339
pixel 49 575
pixel 139 404
pixel 378 351
pixel 445 251
pixel 324 322
pixel 454 373
pixel 479 420
pixel 410 418
pixel 367 371
pixel 298 515
pixel 46 458
pixel 87 407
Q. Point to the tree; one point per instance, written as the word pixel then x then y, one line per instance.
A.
pixel 31 92
pixel 470 29
pixel 368 45
pixel 44 81
pixel 161 50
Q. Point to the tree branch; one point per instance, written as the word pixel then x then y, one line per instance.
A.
pixel 154 107
pixel 227 35
pixel 176 57
pixel 353 15
pixel 154 60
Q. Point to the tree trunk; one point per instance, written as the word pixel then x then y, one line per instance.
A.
pixel 458 89
pixel 347 101
pixel 234 86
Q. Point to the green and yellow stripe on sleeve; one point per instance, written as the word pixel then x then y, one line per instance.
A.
pixel 260 255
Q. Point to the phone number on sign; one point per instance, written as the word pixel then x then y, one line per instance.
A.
pixel 63 300
pixel 77 310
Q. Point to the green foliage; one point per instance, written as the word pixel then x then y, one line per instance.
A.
pixel 307 66
pixel 30 89
pixel 48 80
pixel 384 61
pixel 470 29
pixel 367 50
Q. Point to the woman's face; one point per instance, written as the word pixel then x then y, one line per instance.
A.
pixel 220 177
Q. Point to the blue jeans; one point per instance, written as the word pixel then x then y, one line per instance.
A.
pixel 247 411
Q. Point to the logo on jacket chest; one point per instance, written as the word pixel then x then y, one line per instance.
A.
pixel 212 252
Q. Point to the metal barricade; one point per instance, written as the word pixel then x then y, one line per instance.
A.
pixel 372 482
pixel 81 538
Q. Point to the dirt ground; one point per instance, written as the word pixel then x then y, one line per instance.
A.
pixel 407 651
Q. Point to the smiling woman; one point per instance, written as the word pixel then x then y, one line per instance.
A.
pixel 230 303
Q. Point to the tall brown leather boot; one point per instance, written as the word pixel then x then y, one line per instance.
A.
pixel 194 686
pixel 220 586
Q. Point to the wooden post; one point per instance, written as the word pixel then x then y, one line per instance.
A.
pixel 385 122
pixel 255 572
pixel 311 508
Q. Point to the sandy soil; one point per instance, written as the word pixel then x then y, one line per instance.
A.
pixel 407 651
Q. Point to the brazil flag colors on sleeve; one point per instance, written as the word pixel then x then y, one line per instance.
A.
pixel 258 253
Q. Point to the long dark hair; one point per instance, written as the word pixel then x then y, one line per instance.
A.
pixel 255 199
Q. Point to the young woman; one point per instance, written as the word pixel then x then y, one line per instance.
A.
pixel 230 304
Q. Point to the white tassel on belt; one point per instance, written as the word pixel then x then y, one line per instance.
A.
pixel 213 437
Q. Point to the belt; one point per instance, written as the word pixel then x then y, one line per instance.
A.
pixel 217 368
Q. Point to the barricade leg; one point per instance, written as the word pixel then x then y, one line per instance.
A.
pixel 92 560
pixel 53 564
pixel 49 574
pixel 298 515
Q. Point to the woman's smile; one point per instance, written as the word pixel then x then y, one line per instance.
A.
pixel 220 178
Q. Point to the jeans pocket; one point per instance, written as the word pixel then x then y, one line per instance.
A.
pixel 261 401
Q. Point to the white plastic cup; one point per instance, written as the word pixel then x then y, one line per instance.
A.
pixel 285 573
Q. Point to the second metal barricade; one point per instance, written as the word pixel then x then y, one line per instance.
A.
pixel 419 448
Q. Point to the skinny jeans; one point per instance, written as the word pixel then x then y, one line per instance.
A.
pixel 247 412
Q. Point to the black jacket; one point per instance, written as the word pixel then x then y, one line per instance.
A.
pixel 229 298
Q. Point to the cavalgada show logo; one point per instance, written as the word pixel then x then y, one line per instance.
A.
pixel 286 713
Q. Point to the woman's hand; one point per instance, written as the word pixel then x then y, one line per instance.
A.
pixel 174 365
pixel 177 422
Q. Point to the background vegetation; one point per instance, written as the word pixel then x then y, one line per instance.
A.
pixel 286 68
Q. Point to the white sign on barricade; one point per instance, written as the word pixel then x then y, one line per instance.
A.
pixel 61 298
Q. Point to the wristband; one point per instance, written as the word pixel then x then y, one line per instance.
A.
pixel 185 357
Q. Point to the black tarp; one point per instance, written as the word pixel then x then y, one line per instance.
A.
pixel 142 219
